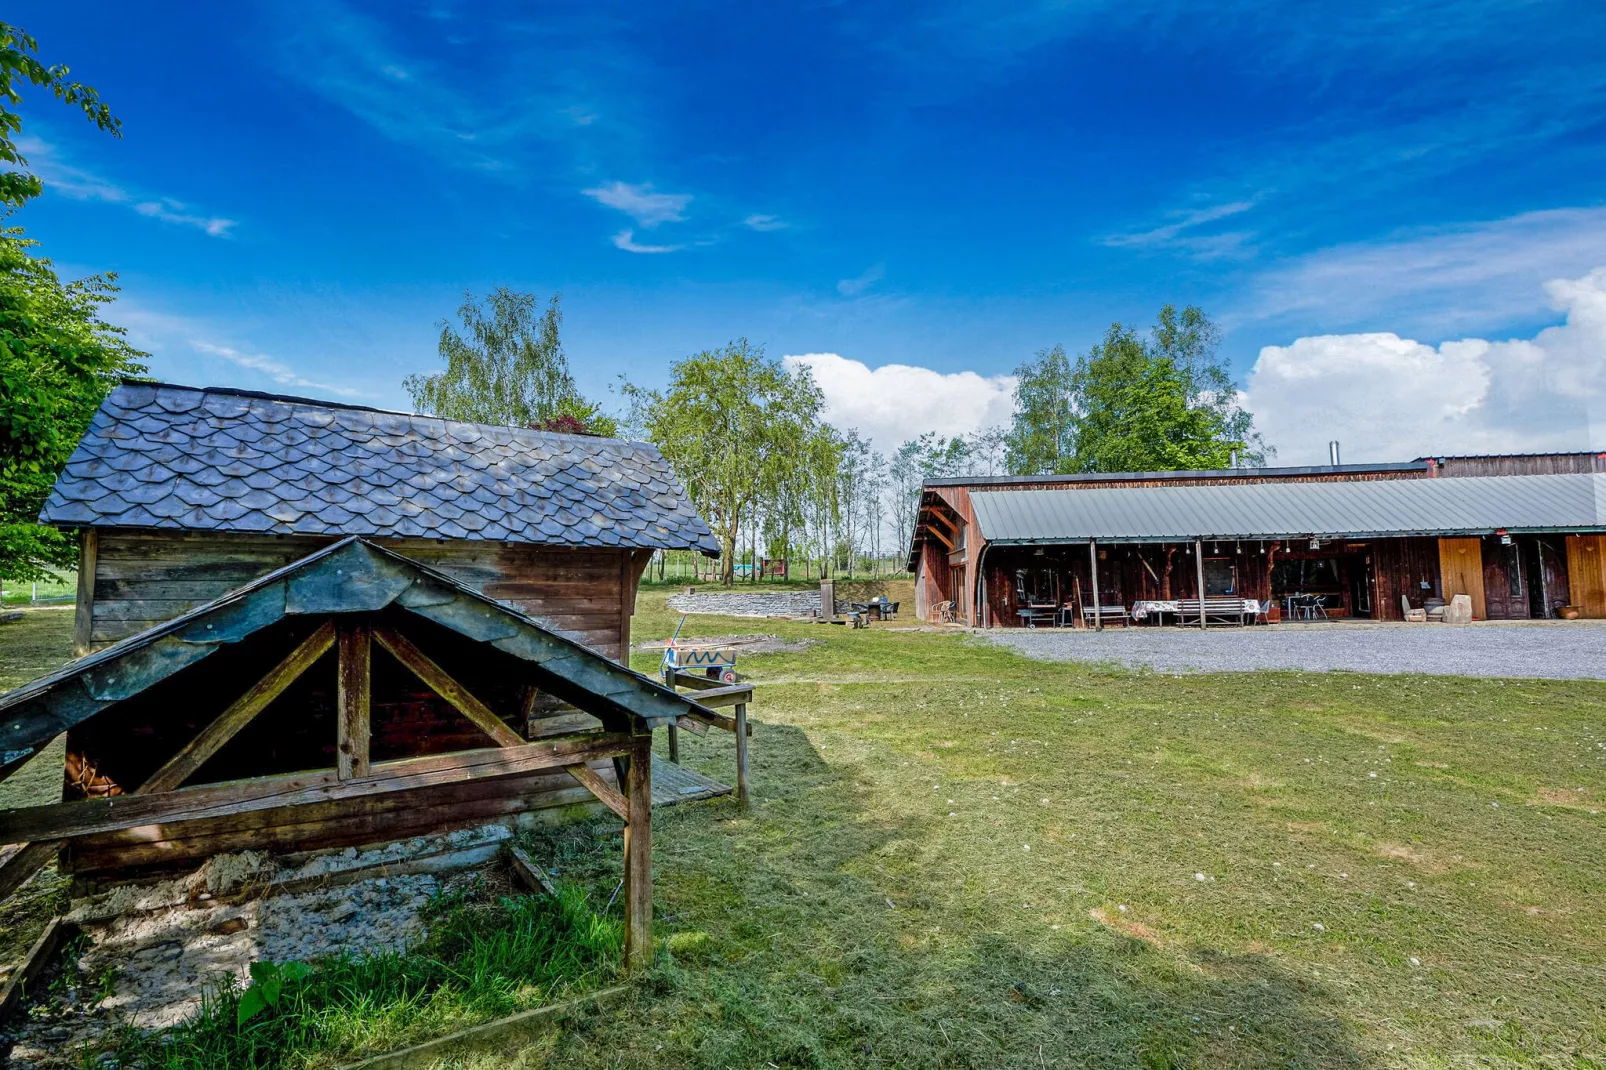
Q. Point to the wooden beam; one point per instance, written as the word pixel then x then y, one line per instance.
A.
pixel 741 752
pixel 211 739
pixel 25 974
pixel 940 537
pixel 726 695
pixel 403 650
pixel 529 874
pixel 354 694
pixel 1198 561
pixel 638 858
pixel 19 861
pixel 714 720
pixel 935 514
pixel 88 817
pixel 697 727
pixel 678 678
pixel 83 625
pixel 592 781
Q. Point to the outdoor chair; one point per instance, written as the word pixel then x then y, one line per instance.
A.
pixel 1414 616
pixel 945 612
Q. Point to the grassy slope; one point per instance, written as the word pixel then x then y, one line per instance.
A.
pixel 918 769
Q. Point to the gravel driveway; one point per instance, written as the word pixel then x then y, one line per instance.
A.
pixel 1555 649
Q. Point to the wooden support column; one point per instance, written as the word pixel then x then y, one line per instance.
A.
pixel 638 858
pixel 84 614
pixel 674 744
pixel 355 692
pixel 1198 564
pixel 741 753
pixel 1093 564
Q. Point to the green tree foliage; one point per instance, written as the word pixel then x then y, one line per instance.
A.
pixel 58 360
pixel 1043 437
pixel 20 65
pixel 737 427
pixel 507 367
pixel 1134 404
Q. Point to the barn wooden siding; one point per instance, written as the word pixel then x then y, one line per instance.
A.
pixel 1521 464
pixel 141 578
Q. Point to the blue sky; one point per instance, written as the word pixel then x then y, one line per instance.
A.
pixel 304 190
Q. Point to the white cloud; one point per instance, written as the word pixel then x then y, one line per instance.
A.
pixel 79 184
pixel 1441 280
pixel 896 402
pixel 763 223
pixel 856 286
pixel 275 370
pixel 642 203
pixel 625 240
pixel 1391 398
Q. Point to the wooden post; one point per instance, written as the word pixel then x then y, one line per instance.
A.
pixel 638 858
pixel 1198 564
pixel 674 744
pixel 354 695
pixel 741 753
pixel 1093 564
pixel 83 630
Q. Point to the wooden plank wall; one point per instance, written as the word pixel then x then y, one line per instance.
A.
pixel 1401 566
pixel 1461 572
pixel 1586 573
pixel 1523 464
pixel 144 577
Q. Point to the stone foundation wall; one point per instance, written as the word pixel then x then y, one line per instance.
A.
pixel 767 604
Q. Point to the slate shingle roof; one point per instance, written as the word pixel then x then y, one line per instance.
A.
pixel 178 457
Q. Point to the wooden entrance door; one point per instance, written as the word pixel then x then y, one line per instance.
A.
pixel 1461 572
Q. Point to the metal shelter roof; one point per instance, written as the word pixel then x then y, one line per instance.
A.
pixel 1464 506
pixel 178 457
pixel 349 576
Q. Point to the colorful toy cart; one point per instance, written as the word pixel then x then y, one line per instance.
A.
pixel 717 663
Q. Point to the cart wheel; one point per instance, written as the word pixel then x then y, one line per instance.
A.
pixel 712 673
pixel 729 676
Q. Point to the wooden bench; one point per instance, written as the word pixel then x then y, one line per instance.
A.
pixel 709 694
pixel 1220 608
pixel 1115 614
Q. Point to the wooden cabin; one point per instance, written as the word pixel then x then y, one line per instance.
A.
pixel 1522 536
pixel 182 494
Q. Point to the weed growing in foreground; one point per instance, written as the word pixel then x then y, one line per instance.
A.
pixel 485 956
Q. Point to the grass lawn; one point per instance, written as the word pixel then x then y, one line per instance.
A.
pixel 958 857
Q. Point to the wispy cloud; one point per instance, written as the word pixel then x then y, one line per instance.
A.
pixel 84 185
pixel 859 284
pixel 625 240
pixel 1188 231
pixel 642 203
pixel 1438 280
pixel 276 370
pixel 764 223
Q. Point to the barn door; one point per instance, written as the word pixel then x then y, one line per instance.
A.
pixel 1461 572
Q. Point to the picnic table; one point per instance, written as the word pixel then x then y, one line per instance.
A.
pixel 881 608
pixel 1215 606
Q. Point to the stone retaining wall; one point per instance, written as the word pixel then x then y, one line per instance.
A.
pixel 734 604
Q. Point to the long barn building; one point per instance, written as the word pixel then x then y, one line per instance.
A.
pixel 1521 535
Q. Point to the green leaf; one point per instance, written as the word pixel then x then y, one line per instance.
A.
pixel 294 972
pixel 251 1004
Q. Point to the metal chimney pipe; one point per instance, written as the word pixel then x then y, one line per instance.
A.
pixel 1332 453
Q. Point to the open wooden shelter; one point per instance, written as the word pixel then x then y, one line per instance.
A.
pixel 1520 536
pixel 354 696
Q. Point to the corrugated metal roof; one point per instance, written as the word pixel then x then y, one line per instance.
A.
pixel 1297 472
pixel 1469 505
pixel 159 456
